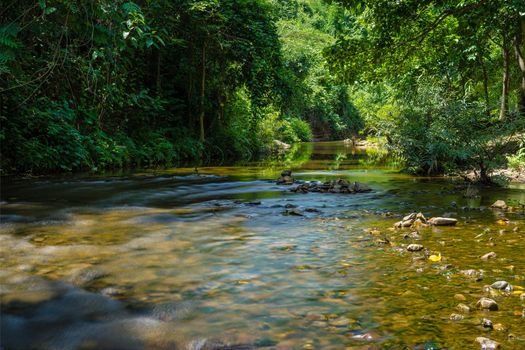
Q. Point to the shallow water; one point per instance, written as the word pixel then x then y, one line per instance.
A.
pixel 177 260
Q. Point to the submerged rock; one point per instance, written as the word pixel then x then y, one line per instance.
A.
pixel 487 344
pixel 439 221
pixel 292 212
pixel 463 308
pixel 474 274
pixel 488 256
pixel 456 317
pixel 415 247
pixel 487 304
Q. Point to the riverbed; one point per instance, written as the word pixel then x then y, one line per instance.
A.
pixel 210 258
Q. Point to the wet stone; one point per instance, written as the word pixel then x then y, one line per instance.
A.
pixel 292 212
pixel 463 308
pixel 460 297
pixel 501 285
pixel 488 256
pixel 499 327
pixel 487 344
pixel 415 247
pixel 473 274
pixel 412 235
pixel 487 304
pixel 486 323
pixel 439 221
pixel 456 317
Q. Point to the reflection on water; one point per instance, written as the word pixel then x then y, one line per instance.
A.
pixel 178 260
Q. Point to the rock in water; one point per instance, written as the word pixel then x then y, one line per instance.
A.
pixel 487 304
pixel 439 221
pixel 499 204
pixel 414 247
pixel 488 256
pixel 292 212
pixel 456 317
pixel 286 178
pixel 487 344
pixel 501 285
pixel 463 308
pixel 360 188
pixel 410 217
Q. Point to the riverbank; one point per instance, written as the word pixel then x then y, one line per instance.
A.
pixel 507 174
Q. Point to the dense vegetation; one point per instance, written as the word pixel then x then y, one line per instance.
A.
pixel 443 81
pixel 105 84
pixel 89 85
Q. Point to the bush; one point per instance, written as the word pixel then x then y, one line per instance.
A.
pixel 301 129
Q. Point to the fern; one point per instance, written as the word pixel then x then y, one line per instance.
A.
pixel 8 36
pixel 8 44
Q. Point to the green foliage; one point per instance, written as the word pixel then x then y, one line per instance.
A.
pixel 312 94
pixel 517 161
pixel 426 76
pixel 301 129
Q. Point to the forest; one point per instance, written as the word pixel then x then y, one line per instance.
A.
pixel 94 85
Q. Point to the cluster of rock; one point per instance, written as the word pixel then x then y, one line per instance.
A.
pixel 418 219
pixel 497 288
pixel 334 186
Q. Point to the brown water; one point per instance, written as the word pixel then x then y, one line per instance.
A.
pixel 174 260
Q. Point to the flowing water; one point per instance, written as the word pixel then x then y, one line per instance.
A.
pixel 178 260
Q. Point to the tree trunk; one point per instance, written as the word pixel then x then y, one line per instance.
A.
pixel 485 82
pixel 203 87
pixel 506 80
pixel 189 104
pixel 158 81
pixel 519 49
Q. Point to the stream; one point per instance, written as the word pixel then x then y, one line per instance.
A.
pixel 174 259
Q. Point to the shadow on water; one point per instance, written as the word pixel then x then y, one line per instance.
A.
pixel 172 259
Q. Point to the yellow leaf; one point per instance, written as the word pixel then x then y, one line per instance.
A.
pixel 435 258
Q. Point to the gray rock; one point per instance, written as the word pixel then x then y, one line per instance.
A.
pixel 486 323
pixel 487 344
pixel 415 247
pixel 487 304
pixel 502 285
pixel 292 212
pixel 439 221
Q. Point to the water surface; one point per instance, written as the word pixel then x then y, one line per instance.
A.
pixel 175 259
